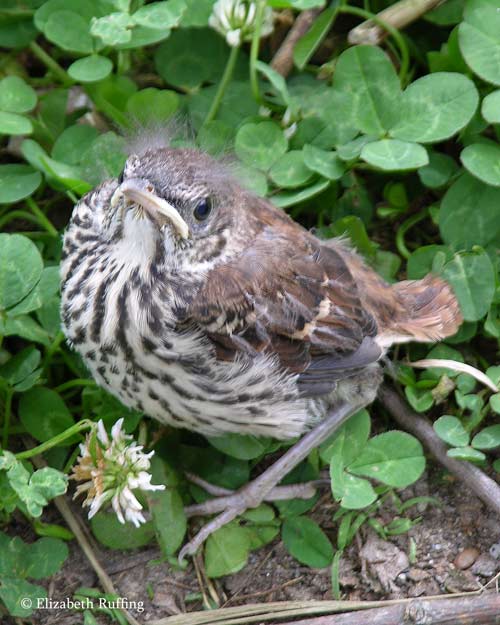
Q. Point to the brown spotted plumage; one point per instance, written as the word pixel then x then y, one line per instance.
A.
pixel 208 308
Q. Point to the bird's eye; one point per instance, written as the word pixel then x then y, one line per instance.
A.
pixel 203 209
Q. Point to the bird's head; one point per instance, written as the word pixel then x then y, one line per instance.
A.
pixel 179 202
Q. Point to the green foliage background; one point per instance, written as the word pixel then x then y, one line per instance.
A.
pixel 397 146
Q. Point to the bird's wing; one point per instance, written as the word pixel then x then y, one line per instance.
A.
pixel 288 294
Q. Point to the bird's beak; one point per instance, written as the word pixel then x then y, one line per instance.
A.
pixel 138 191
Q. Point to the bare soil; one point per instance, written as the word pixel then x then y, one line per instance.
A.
pixel 457 549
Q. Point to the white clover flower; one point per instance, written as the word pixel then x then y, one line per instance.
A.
pixel 235 20
pixel 109 470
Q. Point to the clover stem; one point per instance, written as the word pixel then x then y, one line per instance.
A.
pixel 71 460
pixel 84 424
pixel 224 81
pixel 18 215
pixel 254 51
pixel 51 64
pixel 403 229
pixel 392 48
pixel 69 363
pixel 123 61
pixel 52 349
pixel 41 217
pixel 476 419
pixel 9 392
pixel 394 32
pixel 74 383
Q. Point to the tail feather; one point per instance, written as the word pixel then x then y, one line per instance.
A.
pixel 429 310
pixel 412 310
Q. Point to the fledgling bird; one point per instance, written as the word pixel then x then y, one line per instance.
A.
pixel 207 308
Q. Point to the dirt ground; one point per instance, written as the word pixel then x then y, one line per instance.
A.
pixel 457 549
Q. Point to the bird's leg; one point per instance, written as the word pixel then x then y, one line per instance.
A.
pixel 254 493
pixel 211 489
pixel 304 490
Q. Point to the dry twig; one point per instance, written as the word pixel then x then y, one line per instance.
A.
pixel 475 610
pixel 398 15
pixel 283 59
pixel 470 608
pixel 271 590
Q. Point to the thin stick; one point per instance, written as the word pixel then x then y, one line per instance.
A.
pixel 283 59
pixel 398 15
pixel 481 485
pixel 480 604
pixel 72 522
pixel 201 579
pixel 236 594
pixel 271 590
pixel 479 610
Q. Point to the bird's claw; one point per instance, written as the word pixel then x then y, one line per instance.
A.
pixel 212 526
pixel 230 504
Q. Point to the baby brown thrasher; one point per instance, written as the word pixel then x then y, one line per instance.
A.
pixel 208 308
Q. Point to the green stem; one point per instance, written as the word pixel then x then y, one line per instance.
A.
pixel 72 196
pixel 85 424
pixel 9 392
pixel 17 12
pixel 475 420
pixel 44 81
pixel 123 62
pixel 71 460
pixel 42 218
pixel 37 235
pixel 114 113
pixel 51 64
pixel 254 51
pixel 392 48
pixel 224 81
pixel 52 349
pixel 18 215
pixel 403 229
pixel 74 383
pixel 394 32
pixel 69 363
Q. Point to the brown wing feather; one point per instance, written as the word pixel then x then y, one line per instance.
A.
pixel 288 294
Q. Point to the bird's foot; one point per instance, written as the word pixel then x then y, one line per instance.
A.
pixel 231 504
